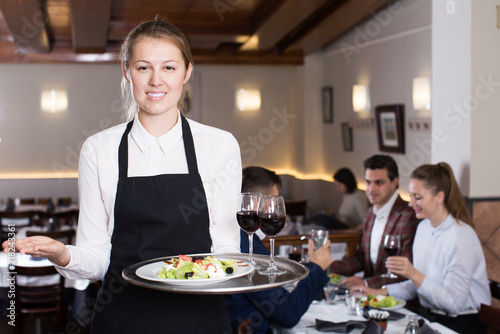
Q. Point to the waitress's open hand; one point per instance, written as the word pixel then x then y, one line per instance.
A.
pixel 40 246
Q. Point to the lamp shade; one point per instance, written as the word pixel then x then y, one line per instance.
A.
pixel 54 101
pixel 360 97
pixel 422 93
pixel 248 99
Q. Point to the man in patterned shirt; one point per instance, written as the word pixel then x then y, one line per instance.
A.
pixel 389 215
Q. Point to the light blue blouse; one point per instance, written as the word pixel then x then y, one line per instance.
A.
pixel 452 260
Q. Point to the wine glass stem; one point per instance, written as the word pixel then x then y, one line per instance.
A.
pixel 271 245
pixel 250 247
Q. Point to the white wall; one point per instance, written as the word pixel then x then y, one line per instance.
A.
pixel 267 137
pixel 32 141
pixel 485 77
pixel 451 58
pixel 388 51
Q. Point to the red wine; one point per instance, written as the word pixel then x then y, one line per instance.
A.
pixel 391 251
pixel 295 256
pixel 271 224
pixel 248 221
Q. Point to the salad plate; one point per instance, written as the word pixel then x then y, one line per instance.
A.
pixel 400 304
pixel 150 272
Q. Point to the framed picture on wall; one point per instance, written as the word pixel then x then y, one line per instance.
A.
pixel 327 104
pixel 347 137
pixel 390 128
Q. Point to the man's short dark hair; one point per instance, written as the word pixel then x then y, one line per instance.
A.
pixel 380 161
pixel 259 179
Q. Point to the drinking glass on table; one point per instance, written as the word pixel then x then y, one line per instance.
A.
pixel 353 301
pixel 272 216
pixel 319 237
pixel 249 221
pixel 392 243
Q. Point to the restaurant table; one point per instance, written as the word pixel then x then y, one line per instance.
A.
pixel 338 313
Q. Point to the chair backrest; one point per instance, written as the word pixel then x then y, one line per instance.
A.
pixel 34 301
pixel 490 316
pixel 19 218
pixel 27 201
pixel 68 217
pixel 65 236
pixel 296 208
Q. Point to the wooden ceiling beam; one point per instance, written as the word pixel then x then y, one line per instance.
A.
pixel 90 24
pixel 283 20
pixel 337 23
pixel 27 23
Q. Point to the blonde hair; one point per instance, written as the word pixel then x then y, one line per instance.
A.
pixel 156 29
pixel 438 178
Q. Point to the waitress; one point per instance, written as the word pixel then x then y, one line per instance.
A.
pixel 156 186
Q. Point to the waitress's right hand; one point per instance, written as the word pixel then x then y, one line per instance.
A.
pixel 40 246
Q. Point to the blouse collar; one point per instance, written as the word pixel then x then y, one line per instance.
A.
pixel 144 139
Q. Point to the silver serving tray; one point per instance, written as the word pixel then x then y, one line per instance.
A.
pixel 248 283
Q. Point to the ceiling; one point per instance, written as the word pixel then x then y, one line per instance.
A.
pixel 219 31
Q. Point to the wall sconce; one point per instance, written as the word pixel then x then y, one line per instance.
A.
pixel 361 97
pixel 422 93
pixel 248 99
pixel 54 101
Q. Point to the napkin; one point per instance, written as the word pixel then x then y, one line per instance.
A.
pixel 370 326
pixel 392 314
pixel 425 328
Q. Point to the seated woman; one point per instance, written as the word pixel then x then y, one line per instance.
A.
pixel 448 274
pixel 353 207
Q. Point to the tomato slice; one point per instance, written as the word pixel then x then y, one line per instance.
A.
pixel 185 258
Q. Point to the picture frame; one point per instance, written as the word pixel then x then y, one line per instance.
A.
pixel 390 128
pixel 346 137
pixel 327 104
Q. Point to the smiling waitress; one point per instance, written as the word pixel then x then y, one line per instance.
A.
pixel 156 186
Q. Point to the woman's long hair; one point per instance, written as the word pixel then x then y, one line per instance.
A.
pixel 438 178
pixel 156 29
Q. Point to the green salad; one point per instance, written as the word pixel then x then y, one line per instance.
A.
pixel 186 267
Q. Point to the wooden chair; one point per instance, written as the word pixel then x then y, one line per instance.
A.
pixel 65 236
pixel 489 315
pixel 24 201
pixel 43 200
pixel 68 217
pixel 19 218
pixel 39 301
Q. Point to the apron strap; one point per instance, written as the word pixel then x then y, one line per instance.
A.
pixel 123 153
pixel 188 148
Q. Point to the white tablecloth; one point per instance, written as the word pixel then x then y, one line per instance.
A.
pixel 338 313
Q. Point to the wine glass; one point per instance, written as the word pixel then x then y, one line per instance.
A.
pixel 392 242
pixel 249 221
pixel 272 216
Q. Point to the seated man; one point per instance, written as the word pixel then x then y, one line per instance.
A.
pixel 276 305
pixel 389 215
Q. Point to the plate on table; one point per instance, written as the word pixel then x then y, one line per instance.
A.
pixel 150 272
pixel 400 304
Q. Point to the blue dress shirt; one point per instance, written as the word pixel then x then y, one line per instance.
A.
pixel 452 260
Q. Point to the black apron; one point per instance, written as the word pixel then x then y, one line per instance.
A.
pixel 157 216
